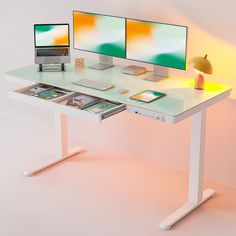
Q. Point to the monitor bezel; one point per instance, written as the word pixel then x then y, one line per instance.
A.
pixel 184 26
pixel 98 15
pixel 53 46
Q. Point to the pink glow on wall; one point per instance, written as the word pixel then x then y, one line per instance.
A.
pixel 211 31
pixel 166 144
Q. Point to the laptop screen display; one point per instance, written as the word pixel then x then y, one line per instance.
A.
pixel 56 35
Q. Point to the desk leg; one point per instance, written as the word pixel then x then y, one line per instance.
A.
pixel 196 196
pixel 61 142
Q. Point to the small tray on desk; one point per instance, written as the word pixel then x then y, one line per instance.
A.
pixel 56 104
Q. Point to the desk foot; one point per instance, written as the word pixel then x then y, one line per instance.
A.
pixel 51 163
pixel 185 210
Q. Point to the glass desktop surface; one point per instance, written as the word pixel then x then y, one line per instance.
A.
pixel 180 93
pixel 51 35
pixel 99 33
pixel 157 43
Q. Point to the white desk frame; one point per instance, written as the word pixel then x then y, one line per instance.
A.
pixel 196 195
pixel 61 141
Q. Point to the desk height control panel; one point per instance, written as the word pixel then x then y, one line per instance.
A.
pixel 146 113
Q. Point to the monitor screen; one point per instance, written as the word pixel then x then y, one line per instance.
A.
pixel 99 33
pixel 156 43
pixel 51 35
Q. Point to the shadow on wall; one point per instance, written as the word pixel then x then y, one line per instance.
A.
pixel 220 147
pixel 216 17
pixel 211 31
pixel 169 144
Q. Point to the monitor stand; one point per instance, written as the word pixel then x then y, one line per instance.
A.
pixel 159 73
pixel 105 62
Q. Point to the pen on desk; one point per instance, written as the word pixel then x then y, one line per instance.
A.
pixel 124 91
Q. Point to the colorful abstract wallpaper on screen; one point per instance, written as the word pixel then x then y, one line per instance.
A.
pixel 99 34
pixel 156 43
pixel 51 35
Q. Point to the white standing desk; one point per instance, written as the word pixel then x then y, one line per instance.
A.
pixel 181 102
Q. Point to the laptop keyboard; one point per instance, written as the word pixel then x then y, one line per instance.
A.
pixel 52 52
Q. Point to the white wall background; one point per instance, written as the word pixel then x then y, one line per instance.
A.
pixel 211 30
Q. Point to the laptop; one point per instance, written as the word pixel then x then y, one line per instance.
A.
pixel 52 44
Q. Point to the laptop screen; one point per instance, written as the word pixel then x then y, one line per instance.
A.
pixel 51 35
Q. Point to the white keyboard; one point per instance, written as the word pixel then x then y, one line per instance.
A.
pixel 94 84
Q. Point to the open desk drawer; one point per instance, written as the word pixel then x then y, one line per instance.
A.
pixel 55 105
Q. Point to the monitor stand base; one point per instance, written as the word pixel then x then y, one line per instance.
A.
pixel 105 62
pixel 159 73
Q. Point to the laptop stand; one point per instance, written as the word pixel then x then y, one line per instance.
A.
pixel 53 67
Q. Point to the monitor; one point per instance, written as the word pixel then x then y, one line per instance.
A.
pixel 156 43
pixel 100 34
pixel 51 35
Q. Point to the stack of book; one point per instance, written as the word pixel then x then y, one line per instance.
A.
pixel 88 103
pixel 101 107
pixel 69 98
pixel 46 92
pixel 80 101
